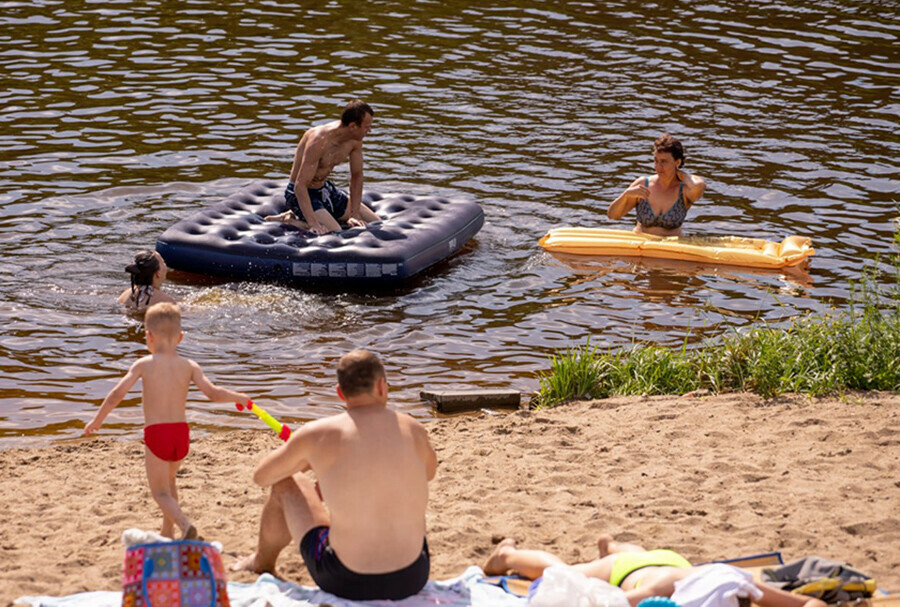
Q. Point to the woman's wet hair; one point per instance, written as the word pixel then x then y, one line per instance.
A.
pixel 667 143
pixel 145 266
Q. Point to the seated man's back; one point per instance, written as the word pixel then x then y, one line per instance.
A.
pixel 362 536
pixel 371 464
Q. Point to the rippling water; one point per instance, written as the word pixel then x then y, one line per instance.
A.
pixel 118 118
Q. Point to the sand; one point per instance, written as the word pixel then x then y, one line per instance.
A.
pixel 712 477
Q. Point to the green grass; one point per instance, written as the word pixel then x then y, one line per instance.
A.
pixel 816 355
pixel 855 349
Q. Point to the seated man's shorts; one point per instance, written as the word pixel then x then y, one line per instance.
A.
pixel 328 197
pixel 168 442
pixel 332 576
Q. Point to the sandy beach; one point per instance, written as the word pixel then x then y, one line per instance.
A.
pixel 712 477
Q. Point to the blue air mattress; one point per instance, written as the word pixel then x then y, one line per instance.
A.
pixel 233 240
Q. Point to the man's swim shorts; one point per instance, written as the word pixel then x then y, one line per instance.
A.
pixel 169 442
pixel 332 576
pixel 328 197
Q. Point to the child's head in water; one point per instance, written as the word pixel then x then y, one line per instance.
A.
pixel 148 272
pixel 163 324
pixel 148 266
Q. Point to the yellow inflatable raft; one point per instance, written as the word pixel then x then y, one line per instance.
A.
pixel 726 250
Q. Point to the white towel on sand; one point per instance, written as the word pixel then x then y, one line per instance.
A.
pixel 715 586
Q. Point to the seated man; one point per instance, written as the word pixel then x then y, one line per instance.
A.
pixel 640 573
pixel 314 201
pixel 373 466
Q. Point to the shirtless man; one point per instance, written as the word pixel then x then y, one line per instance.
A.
pixel 638 572
pixel 314 201
pixel 373 466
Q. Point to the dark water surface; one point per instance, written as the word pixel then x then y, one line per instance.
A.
pixel 118 118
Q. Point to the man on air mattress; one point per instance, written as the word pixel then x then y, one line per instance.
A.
pixel 314 202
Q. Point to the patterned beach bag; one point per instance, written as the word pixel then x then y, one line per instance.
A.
pixel 184 573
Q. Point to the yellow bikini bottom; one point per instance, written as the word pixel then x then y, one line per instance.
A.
pixel 628 562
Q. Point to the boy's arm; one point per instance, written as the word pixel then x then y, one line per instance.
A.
pixel 212 391
pixel 115 396
pixel 286 460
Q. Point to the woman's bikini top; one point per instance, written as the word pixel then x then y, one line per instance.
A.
pixel 670 220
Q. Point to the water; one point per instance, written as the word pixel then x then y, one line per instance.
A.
pixel 119 118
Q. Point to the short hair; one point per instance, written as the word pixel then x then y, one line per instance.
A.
pixel 163 319
pixel 355 111
pixel 667 143
pixel 357 372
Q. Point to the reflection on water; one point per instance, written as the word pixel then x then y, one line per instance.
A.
pixel 119 118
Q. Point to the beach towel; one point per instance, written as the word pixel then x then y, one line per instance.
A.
pixel 466 590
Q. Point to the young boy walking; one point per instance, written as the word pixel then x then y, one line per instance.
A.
pixel 165 378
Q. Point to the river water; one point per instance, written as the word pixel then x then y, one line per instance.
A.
pixel 118 118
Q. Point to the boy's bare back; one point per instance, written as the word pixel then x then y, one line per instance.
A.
pixel 165 381
pixel 165 375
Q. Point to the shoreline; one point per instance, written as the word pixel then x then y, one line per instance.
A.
pixel 711 477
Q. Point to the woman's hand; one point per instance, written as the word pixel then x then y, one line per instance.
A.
pixel 638 191
pixel 685 177
pixel 628 199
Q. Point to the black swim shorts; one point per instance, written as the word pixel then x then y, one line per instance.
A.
pixel 328 197
pixel 332 576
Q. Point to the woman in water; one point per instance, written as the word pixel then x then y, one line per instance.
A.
pixel 661 202
pixel 148 272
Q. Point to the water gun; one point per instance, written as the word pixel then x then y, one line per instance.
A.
pixel 280 429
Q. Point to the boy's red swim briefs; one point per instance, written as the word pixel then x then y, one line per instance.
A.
pixel 169 442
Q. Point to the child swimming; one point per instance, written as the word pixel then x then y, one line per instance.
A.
pixel 148 272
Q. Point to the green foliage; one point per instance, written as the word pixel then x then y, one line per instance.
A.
pixel 573 375
pixel 856 349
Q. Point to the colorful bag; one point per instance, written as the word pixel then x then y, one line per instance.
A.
pixel 184 573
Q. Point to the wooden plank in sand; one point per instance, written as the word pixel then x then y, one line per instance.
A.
pixel 453 401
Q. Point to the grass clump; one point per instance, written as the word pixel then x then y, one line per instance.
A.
pixel 573 375
pixel 816 355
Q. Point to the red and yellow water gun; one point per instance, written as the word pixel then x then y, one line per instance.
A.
pixel 280 429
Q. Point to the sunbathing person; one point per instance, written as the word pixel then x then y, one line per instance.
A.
pixel 640 573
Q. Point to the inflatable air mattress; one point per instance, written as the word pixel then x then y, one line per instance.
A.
pixel 233 240
pixel 726 250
